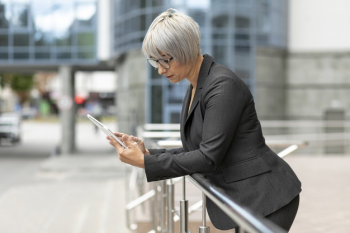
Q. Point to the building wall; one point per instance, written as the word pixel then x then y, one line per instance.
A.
pixel 270 83
pixel 131 91
pixel 317 82
pixel 318 59
pixel 319 25
pixel 317 88
pixel 317 74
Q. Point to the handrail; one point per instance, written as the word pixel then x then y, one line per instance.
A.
pixel 269 124
pixel 246 220
pixel 277 143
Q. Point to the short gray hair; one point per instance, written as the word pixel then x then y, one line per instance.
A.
pixel 175 34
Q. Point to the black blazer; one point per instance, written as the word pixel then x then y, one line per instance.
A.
pixel 222 139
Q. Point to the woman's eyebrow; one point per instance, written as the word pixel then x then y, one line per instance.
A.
pixel 163 55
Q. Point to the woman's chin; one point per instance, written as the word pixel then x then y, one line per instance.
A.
pixel 173 81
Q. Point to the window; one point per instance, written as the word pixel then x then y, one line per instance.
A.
pixel 198 16
pixel 86 39
pixel 220 21
pixel 219 54
pixel 63 40
pixel 4 54
pixel 21 55
pixel 21 40
pixel 157 107
pixel 42 56
pixel 4 23
pixel 242 61
pixel 242 22
pixel 157 3
pixel 64 55
pixel 86 55
pixel 4 41
pixel 42 39
pixel 20 15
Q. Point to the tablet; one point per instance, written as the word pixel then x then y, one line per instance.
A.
pixel 106 130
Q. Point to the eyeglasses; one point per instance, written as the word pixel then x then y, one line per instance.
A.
pixel 163 62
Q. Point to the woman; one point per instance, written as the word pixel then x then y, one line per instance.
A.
pixel 220 132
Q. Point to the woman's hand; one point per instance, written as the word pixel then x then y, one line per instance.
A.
pixel 140 143
pixel 132 155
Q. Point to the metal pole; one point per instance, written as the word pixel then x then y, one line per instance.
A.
pixel 155 207
pixel 204 228
pixel 67 110
pixel 163 206
pixel 183 209
pixel 0 97
pixel 170 192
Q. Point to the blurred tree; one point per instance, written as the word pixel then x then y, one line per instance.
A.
pixel 21 82
pixel 5 79
pixel 42 81
pixel 22 85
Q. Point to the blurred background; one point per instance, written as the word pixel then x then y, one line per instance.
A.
pixel 63 59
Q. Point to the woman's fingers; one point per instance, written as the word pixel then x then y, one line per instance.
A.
pixel 132 155
pixel 119 135
pixel 133 138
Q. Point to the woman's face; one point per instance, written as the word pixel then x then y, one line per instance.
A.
pixel 176 72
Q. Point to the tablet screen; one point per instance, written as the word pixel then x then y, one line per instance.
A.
pixel 106 130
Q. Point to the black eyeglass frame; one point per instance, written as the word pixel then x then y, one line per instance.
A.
pixel 166 61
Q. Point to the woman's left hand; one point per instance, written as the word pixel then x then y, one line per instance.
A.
pixel 132 154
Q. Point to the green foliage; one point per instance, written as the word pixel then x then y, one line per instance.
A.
pixel 86 39
pixel 5 79
pixel 21 82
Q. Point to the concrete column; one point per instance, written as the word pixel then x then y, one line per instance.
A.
pixel 67 110
pixel 131 89
pixel 335 114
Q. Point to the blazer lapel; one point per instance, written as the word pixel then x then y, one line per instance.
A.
pixel 185 106
pixel 203 73
pixel 194 103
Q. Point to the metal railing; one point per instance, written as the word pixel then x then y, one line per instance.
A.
pixel 246 221
pixel 322 135
pixel 164 214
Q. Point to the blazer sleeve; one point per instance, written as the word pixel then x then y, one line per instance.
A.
pixel 171 151
pixel 224 102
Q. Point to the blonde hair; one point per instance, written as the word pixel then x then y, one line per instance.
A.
pixel 174 34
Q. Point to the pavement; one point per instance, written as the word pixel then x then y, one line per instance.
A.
pixel 325 199
pixel 68 194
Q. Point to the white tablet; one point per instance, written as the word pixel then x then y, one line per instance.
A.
pixel 106 130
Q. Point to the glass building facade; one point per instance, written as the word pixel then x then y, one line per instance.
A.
pixel 230 32
pixel 48 32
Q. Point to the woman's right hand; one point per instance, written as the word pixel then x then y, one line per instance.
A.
pixel 140 143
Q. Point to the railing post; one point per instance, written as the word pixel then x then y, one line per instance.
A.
pixel 155 207
pixel 163 206
pixel 204 228
pixel 170 193
pixel 183 209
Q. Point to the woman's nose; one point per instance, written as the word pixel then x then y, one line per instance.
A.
pixel 161 69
